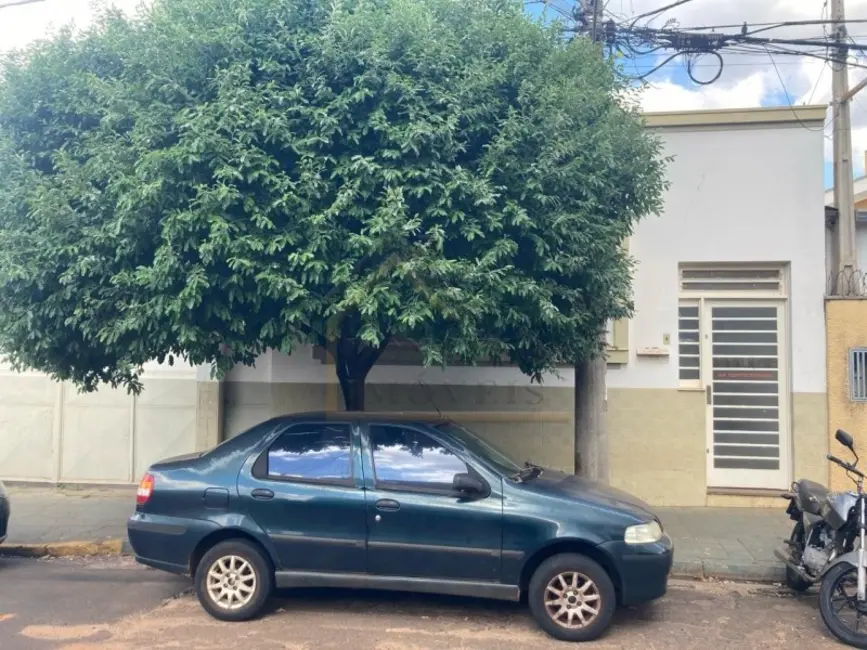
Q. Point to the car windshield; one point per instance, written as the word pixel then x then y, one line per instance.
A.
pixel 476 445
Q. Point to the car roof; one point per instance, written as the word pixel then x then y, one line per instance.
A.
pixel 350 416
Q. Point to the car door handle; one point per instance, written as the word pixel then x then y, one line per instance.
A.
pixel 387 504
pixel 261 493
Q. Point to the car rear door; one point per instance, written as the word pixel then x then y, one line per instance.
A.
pixel 418 525
pixel 305 491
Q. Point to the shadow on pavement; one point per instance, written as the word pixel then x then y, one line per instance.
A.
pixel 423 606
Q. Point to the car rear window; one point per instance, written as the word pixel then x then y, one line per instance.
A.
pixel 314 452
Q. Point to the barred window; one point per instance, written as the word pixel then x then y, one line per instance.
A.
pixel 858 374
pixel 688 343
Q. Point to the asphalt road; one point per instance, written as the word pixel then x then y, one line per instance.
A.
pixel 114 605
pixel 46 604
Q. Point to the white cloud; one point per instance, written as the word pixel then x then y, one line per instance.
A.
pixel 666 95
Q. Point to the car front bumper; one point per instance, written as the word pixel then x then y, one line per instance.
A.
pixel 643 569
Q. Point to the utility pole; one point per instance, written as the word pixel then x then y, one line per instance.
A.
pixel 591 440
pixel 844 192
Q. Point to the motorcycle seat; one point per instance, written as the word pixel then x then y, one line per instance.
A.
pixel 811 496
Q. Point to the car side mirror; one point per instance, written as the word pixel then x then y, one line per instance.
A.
pixel 468 484
pixel 845 439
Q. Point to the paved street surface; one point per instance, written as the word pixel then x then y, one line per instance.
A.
pixel 45 604
pixel 114 605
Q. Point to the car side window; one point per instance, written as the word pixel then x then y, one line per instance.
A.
pixel 407 458
pixel 314 452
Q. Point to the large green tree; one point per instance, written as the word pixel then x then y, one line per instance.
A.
pixel 215 178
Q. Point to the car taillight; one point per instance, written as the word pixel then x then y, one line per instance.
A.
pixel 145 489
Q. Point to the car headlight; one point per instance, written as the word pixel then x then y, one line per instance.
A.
pixel 643 533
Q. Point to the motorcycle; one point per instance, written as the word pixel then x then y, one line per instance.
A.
pixel 827 544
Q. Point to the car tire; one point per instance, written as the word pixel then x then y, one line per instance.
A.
pixel 572 583
pixel 234 581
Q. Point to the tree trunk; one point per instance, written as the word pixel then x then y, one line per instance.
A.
pixel 353 393
pixel 353 362
pixel 591 441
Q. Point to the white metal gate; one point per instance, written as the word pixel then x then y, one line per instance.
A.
pixel 743 350
pixel 49 432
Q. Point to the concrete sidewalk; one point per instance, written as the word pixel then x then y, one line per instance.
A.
pixel 728 543
pixel 47 514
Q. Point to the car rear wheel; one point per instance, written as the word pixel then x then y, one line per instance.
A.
pixel 234 581
pixel 572 598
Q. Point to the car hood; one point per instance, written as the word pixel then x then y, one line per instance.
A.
pixel 574 487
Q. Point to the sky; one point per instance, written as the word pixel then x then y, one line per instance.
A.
pixel 756 80
pixel 746 80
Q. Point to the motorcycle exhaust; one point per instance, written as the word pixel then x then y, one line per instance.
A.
pixel 784 557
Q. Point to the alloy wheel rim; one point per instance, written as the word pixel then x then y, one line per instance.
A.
pixel 231 582
pixel 572 600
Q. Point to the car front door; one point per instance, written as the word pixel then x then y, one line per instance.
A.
pixel 305 491
pixel 419 526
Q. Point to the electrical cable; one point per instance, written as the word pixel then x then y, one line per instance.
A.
pixel 689 66
pixel 660 66
pixel 827 59
pixel 663 9
pixel 776 25
pixel 728 64
pixel 789 99
pixel 818 79
pixel 632 41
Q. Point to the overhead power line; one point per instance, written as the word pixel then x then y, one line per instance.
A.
pixel 683 39
pixel 772 25
pixel 632 41
pixel 656 12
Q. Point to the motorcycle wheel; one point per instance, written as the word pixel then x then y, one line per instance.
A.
pixel 793 580
pixel 839 606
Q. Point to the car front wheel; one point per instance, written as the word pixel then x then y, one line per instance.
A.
pixel 572 598
pixel 234 581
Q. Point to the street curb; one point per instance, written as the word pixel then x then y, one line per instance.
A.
pixel 720 570
pixel 104 547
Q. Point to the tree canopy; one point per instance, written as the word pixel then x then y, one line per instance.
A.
pixel 212 179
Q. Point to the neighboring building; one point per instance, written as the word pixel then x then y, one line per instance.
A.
pixel 860 217
pixel 846 318
pixel 716 388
